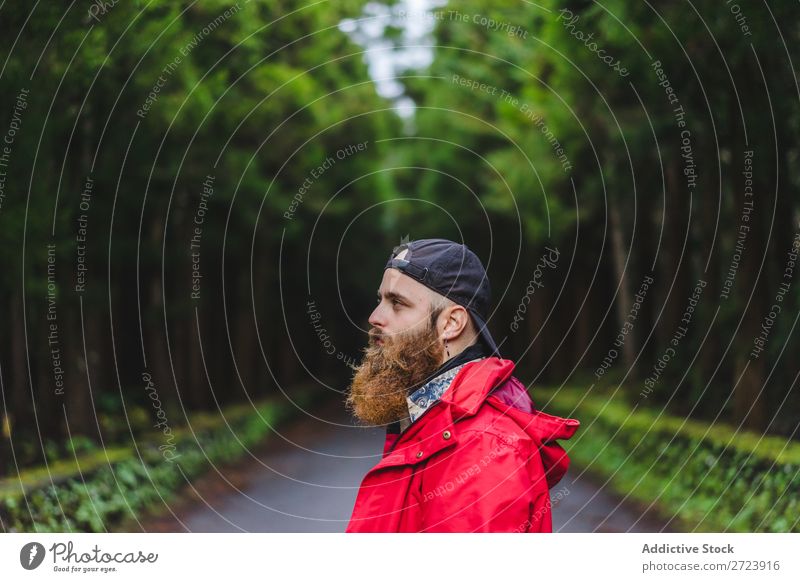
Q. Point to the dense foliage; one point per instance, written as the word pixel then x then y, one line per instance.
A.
pixel 98 490
pixel 699 476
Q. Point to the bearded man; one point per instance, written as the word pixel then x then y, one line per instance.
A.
pixel 465 448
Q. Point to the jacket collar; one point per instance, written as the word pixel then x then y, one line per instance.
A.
pixel 426 395
pixel 470 387
pixel 473 384
pixel 436 384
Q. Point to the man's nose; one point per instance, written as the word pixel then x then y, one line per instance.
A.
pixel 376 318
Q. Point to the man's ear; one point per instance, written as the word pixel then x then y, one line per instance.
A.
pixel 455 323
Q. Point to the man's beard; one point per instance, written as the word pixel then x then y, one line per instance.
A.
pixel 389 372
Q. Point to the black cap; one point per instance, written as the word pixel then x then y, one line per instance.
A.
pixel 452 270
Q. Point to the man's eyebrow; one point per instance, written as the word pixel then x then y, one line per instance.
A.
pixel 394 295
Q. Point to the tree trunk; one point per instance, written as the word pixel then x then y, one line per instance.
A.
pixel 624 302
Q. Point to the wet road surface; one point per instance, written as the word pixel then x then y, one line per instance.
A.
pixel 306 477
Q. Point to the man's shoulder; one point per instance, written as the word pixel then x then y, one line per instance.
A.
pixel 494 422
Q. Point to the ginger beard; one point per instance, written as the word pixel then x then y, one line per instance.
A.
pixel 390 372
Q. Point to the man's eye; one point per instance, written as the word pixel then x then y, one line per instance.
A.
pixel 396 302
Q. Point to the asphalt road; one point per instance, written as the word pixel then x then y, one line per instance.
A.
pixel 305 480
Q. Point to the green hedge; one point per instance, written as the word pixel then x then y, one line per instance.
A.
pixel 708 477
pixel 100 489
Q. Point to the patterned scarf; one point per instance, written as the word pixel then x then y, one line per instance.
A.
pixel 426 395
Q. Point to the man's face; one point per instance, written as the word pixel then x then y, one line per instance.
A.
pixel 404 350
pixel 403 306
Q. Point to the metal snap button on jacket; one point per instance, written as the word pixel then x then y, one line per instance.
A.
pixel 446 434
pixel 419 454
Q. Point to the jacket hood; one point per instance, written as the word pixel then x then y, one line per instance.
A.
pixel 477 381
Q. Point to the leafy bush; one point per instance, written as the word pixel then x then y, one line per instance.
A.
pixel 709 477
pixel 104 487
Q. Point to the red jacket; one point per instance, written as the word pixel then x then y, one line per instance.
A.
pixel 472 462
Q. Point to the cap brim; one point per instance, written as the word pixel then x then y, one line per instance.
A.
pixel 483 332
